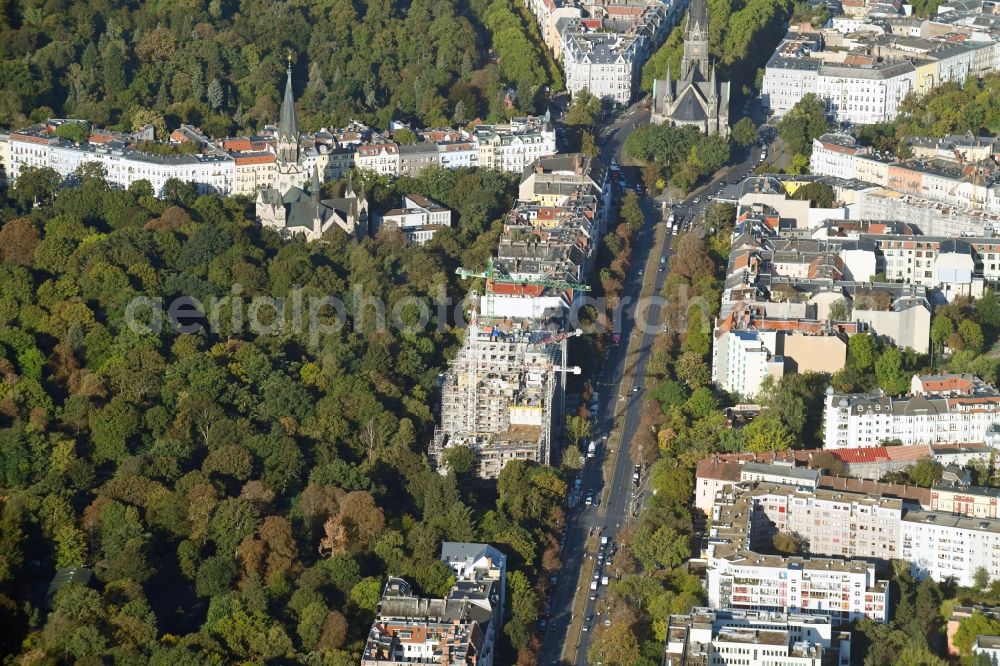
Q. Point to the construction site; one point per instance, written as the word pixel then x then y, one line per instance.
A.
pixel 503 394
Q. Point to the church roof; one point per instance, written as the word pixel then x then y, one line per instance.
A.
pixel 288 126
pixel 690 106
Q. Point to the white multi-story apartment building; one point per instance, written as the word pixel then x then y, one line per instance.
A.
pixel 742 360
pixel 867 93
pixel 746 520
pixel 842 589
pixel 859 89
pixel 458 154
pixel 459 630
pixel 419 218
pixel 514 146
pixel 122 166
pixel 706 637
pixel 602 63
pixel 790 74
pixel 834 155
pixel 607 62
pixel 942 546
pixel 871 419
pixel 382 158
pixel 4 157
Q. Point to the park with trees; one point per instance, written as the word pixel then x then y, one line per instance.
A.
pixel 221 65
pixel 240 495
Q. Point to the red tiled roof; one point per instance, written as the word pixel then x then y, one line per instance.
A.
pixel 859 59
pixel 722 470
pixel 952 383
pixel 837 148
pixel 741 260
pixel 27 138
pixel 862 455
pixel 254 159
pixel 908 453
pixel 914 493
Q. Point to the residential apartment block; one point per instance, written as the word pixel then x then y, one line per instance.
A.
pixel 248 165
pixel 965 500
pixel 706 637
pixel 863 68
pixel 792 297
pixel 419 218
pixel 867 531
pixel 941 546
pixel 739 573
pixel 557 179
pixel 872 419
pixel 790 468
pixel 514 146
pixel 953 179
pixel 601 63
pixel 459 630
pixel 604 52
pixel 855 88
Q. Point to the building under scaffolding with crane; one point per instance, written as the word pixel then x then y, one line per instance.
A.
pixel 503 395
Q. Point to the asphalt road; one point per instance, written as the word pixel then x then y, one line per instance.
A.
pixel 618 375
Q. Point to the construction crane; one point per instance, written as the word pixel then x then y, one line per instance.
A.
pixel 491 273
pixel 559 337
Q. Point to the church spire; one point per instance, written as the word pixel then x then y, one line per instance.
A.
pixel 288 126
pixel 670 85
pixel 694 64
pixel 697 16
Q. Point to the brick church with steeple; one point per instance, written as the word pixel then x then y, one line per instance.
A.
pixel 697 98
pixel 292 210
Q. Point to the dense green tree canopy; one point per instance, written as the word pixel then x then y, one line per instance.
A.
pixel 241 493
pixel 220 65
pixel 804 122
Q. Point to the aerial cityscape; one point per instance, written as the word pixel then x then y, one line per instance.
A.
pixel 507 333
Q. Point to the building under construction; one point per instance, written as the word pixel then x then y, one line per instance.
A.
pixel 503 394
